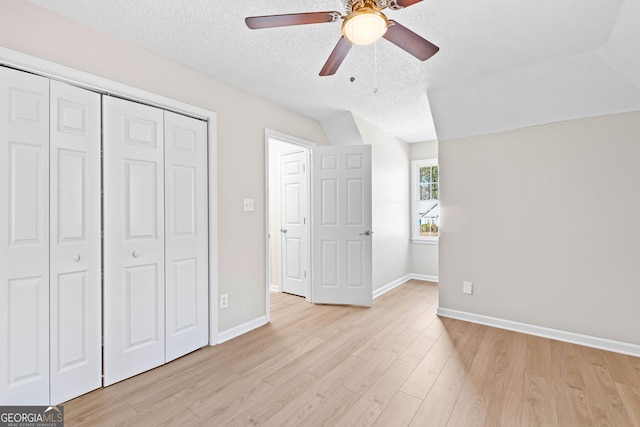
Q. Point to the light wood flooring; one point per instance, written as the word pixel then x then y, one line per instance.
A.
pixel 395 364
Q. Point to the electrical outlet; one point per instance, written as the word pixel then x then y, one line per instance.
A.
pixel 224 300
pixel 467 288
pixel 248 205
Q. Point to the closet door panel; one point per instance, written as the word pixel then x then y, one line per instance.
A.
pixel 24 238
pixel 133 206
pixel 76 345
pixel 186 231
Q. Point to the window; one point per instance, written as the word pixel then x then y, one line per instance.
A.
pixel 426 206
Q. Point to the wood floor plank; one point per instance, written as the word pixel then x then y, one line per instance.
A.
pixel 538 363
pixel 573 405
pixel 316 394
pixel 365 411
pixel 482 367
pixel 436 407
pixel 272 364
pixel 505 394
pixel 370 372
pixel 621 368
pixel 468 411
pixel 265 406
pixel 335 351
pixel 217 405
pixel 539 402
pixel 182 391
pixel 425 374
pixel 416 351
pixel 332 410
pixel 399 412
pixel 394 364
pixel 425 319
pixel 631 398
pixel 606 403
pixel 98 414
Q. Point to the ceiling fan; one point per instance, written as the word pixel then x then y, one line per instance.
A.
pixel 364 23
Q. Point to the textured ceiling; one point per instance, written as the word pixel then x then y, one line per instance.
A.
pixel 479 42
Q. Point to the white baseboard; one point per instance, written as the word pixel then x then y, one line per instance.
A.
pixel 236 331
pixel 274 288
pixel 425 277
pixel 540 331
pixel 386 288
pixel 401 281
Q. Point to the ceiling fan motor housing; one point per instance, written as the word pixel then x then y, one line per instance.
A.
pixel 354 5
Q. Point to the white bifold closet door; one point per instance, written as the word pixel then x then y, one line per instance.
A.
pixel 133 207
pixel 50 318
pixel 186 235
pixel 24 238
pixel 75 287
pixel 155 237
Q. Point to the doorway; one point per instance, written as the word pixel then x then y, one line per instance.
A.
pixel 288 213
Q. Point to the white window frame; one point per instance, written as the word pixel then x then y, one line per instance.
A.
pixel 415 198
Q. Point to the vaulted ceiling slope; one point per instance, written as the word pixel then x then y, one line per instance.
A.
pixel 502 64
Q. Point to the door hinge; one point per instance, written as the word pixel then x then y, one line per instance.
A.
pixel 304 167
pixel 305 274
pixel 304 220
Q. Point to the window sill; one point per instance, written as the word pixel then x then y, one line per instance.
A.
pixel 425 241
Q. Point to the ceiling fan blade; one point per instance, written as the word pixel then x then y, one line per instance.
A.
pixel 409 41
pixel 407 3
pixel 337 56
pixel 256 22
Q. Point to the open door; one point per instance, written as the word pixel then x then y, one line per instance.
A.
pixel 342 225
pixel 293 231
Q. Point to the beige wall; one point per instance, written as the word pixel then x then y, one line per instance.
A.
pixel 424 256
pixel 242 119
pixel 390 166
pixel 544 222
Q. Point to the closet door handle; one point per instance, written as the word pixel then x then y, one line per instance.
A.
pixel 135 253
pixel 76 258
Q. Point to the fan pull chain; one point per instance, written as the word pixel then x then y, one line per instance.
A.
pixel 375 67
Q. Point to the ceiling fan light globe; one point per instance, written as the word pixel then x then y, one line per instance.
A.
pixel 365 27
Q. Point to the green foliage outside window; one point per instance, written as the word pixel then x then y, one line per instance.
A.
pixel 429 183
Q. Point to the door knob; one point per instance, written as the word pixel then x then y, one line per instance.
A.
pixel 135 253
pixel 367 233
pixel 284 230
pixel 76 258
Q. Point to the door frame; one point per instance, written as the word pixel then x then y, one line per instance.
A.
pixel 270 134
pixel 44 68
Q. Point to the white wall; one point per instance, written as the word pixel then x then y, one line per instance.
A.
pixel 424 256
pixel 544 222
pixel 391 203
pixel 341 129
pixel 242 118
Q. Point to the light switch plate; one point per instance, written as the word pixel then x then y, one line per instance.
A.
pixel 467 288
pixel 248 205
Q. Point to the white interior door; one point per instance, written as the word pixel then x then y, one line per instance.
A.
pixel 75 289
pixel 133 205
pixel 186 235
pixel 342 225
pixel 293 231
pixel 24 238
